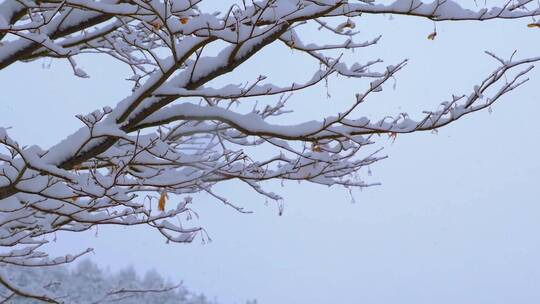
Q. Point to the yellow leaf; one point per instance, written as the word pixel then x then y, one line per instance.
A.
pixel 432 36
pixel 162 200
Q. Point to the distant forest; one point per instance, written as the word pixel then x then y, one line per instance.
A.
pixel 88 283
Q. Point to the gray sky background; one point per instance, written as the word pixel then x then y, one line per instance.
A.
pixel 455 220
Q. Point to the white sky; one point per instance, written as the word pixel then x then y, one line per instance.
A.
pixel 455 220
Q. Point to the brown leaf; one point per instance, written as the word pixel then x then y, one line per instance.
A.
pixel 162 200
pixel 183 20
pixel 533 25
pixel 157 24
pixel 432 36
pixel 316 148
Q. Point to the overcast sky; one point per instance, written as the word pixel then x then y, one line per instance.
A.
pixel 455 220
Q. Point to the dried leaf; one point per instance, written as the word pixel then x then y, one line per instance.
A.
pixel 183 20
pixel 157 24
pixel 162 200
pixel 533 25
pixel 316 148
pixel 432 36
